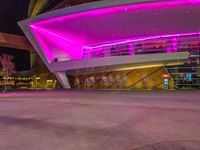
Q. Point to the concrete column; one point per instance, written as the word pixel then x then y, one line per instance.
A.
pixel 62 77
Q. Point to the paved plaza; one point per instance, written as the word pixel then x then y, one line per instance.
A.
pixel 100 120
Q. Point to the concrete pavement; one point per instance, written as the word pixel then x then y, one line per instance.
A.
pixel 100 120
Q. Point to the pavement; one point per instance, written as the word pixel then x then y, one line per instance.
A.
pixel 100 120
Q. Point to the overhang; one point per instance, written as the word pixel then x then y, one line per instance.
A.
pixel 120 63
pixel 64 33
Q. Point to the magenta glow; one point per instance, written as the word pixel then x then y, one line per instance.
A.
pixel 66 36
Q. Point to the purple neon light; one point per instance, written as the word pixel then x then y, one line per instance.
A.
pixel 138 6
pixel 56 46
pixel 174 42
pixel 142 39
pixel 51 33
pixel 59 43
pixel 171 46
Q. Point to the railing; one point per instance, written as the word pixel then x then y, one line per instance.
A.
pixel 160 44
pixel 163 44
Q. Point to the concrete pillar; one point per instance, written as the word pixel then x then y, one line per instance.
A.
pixel 62 77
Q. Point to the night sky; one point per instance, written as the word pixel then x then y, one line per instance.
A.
pixel 12 11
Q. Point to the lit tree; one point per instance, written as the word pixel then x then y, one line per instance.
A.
pixel 7 67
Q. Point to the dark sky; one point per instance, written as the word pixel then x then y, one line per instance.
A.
pixel 12 11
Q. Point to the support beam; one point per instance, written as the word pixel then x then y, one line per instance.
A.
pixel 15 41
pixel 61 76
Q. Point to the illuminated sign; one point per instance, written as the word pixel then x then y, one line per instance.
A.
pixel 165 75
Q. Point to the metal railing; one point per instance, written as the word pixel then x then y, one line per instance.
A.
pixel 176 43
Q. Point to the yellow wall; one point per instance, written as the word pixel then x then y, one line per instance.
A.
pixel 134 79
pixel 44 81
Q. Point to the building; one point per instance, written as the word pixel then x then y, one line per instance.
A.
pixel 115 44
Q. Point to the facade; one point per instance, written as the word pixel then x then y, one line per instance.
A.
pixel 143 44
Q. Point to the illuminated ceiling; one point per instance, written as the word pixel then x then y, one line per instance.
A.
pixel 65 35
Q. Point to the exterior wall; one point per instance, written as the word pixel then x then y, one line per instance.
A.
pixel 186 76
pixel 44 81
pixel 39 81
pixel 146 78
pixel 40 72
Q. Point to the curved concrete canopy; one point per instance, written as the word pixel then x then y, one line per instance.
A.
pixel 63 33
